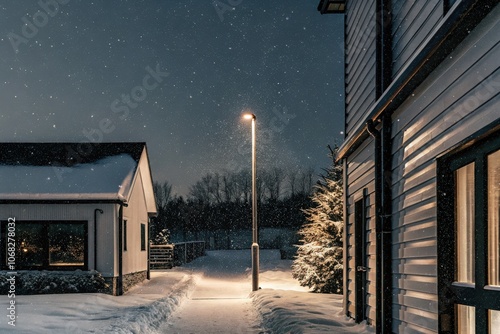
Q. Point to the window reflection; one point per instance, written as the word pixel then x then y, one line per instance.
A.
pixel 66 244
pixel 46 245
pixel 465 224
pixel 494 322
pixel 29 245
pixel 493 218
pixel 466 319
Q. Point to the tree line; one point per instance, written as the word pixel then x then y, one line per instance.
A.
pixel 223 201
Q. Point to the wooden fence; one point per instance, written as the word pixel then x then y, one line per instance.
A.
pixel 161 256
pixel 168 256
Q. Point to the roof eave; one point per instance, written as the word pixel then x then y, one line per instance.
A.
pixel 446 36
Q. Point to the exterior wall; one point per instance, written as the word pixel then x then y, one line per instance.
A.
pixel 360 176
pixel 458 99
pixel 360 61
pixel 412 22
pixel 135 260
pixel 85 212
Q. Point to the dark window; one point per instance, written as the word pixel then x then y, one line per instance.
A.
pixel 468 233
pixel 124 235
pixel 143 237
pixel 48 245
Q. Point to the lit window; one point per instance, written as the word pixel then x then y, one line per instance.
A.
pixel 466 319
pixel 493 218
pixel 465 224
pixel 49 245
pixel 66 244
pixel 468 211
pixel 30 244
pixel 494 321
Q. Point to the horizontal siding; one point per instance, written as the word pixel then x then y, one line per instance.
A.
pixel 413 22
pixel 458 99
pixel 359 59
pixel 360 175
pixel 418 322
pixel 462 65
pixel 415 283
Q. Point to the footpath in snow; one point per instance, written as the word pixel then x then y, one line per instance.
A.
pixel 210 295
pixel 221 301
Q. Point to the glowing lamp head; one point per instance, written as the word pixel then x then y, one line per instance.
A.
pixel 248 116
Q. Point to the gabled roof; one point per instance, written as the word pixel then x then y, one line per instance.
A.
pixel 71 171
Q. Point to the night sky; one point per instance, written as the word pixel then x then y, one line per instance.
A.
pixel 177 75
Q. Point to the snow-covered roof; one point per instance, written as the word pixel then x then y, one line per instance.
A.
pixel 69 171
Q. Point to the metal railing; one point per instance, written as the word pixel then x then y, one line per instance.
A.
pixel 185 252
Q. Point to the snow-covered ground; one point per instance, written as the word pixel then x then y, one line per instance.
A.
pixel 286 307
pixel 211 294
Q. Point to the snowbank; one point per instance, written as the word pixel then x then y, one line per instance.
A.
pixel 288 311
pixel 146 319
pixel 141 310
pixel 287 307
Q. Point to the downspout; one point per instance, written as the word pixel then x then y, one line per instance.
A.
pixel 379 315
pixel 119 283
pixel 383 171
pixel 344 238
pixel 383 223
pixel 95 236
pixel 386 221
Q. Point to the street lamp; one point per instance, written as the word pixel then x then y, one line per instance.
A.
pixel 255 242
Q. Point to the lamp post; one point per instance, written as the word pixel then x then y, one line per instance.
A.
pixel 255 242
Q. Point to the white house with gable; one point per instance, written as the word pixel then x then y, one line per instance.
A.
pixel 78 206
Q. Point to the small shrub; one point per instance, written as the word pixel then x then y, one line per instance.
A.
pixel 47 282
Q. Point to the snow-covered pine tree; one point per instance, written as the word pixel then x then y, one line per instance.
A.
pixel 162 238
pixel 318 263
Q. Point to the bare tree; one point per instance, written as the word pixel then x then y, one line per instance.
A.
pixel 261 185
pixel 292 180
pixel 273 181
pixel 163 194
pixel 216 188
pixel 244 185
pixel 305 181
pixel 230 187
pixel 201 190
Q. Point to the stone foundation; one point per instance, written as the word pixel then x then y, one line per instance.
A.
pixel 112 284
pixel 129 280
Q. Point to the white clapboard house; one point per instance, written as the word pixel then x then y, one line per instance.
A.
pixel 78 206
pixel 421 159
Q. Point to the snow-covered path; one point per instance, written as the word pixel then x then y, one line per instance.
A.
pixel 221 302
pixel 212 294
